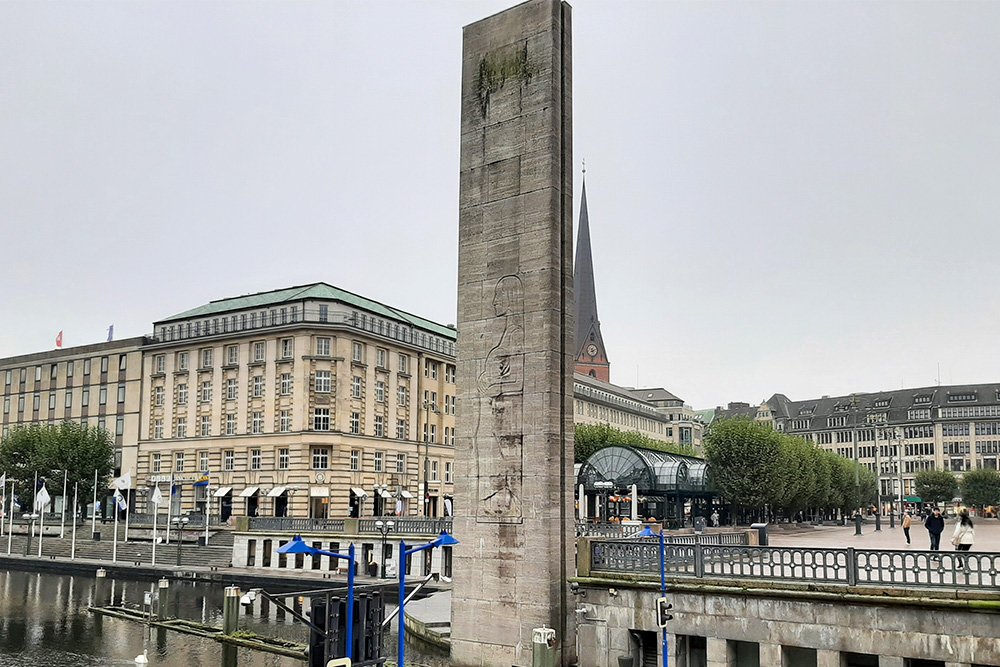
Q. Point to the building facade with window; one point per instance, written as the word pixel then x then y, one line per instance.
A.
pixel 304 402
pixel 897 433
pixel 95 385
pixel 655 413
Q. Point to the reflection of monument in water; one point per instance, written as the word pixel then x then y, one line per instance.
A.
pixel 514 450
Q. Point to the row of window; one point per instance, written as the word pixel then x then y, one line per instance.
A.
pixel 290 315
pixel 618 417
pixel 36 399
pixel 319 459
pixel 322 384
pixel 54 370
pixel 321 422
pixel 99 422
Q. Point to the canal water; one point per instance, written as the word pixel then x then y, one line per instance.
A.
pixel 44 622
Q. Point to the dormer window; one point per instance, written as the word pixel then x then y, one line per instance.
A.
pixel 882 403
pixel 956 398
pixel 919 400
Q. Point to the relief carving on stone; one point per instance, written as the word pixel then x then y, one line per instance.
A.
pixel 499 433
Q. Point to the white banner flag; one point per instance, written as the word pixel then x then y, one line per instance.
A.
pixel 157 497
pixel 120 499
pixel 41 499
pixel 124 482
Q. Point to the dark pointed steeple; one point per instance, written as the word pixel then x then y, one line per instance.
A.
pixel 591 356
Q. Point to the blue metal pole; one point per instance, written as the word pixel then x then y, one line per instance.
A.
pixel 350 603
pixel 401 630
pixel 663 588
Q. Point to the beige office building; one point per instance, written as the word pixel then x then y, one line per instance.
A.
pixel 95 385
pixel 303 402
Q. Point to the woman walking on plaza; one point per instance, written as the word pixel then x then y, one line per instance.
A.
pixel 965 534
pixel 906 527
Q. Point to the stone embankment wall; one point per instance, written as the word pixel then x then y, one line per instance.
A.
pixel 719 624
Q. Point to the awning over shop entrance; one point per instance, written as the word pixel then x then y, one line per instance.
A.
pixel 223 492
pixel 249 491
pixel 277 491
pixel 360 493
pixel 319 492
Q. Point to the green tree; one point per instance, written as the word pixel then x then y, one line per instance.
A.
pixel 592 437
pixel 981 487
pixel 936 486
pixel 745 459
pixel 48 451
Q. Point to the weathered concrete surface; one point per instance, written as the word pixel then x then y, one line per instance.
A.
pixel 513 456
pixel 907 626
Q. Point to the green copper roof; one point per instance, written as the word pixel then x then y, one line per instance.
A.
pixel 318 291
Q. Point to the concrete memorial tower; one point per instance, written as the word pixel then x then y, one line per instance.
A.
pixel 514 449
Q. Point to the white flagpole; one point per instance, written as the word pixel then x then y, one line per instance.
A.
pixel 156 510
pixel 208 506
pixel 93 520
pixel 10 533
pixel 114 546
pixel 170 505
pixel 76 492
pixel 34 502
pixel 62 526
pixel 41 529
pixel 128 508
pixel 3 492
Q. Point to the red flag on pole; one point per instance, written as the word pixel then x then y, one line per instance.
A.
pixel 59 340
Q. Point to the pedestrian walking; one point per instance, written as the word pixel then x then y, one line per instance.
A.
pixel 964 536
pixel 907 521
pixel 935 526
pixel 715 519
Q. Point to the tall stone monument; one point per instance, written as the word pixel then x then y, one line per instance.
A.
pixel 514 448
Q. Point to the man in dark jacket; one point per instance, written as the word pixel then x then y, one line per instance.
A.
pixel 935 526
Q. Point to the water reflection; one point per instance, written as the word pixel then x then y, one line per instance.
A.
pixel 44 622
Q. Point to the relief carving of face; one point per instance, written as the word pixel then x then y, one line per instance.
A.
pixel 507 296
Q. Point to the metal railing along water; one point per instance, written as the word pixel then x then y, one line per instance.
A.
pixel 848 566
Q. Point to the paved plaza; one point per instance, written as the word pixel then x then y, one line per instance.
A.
pixel 987 536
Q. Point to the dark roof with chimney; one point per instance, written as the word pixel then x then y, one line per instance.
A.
pixel 812 414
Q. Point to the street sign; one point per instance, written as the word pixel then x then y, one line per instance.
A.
pixel 913 499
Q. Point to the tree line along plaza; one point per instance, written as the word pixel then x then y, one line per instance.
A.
pixel 315 402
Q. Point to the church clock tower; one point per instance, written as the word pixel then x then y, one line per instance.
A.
pixel 591 355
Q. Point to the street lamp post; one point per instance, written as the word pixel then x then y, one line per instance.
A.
pixel 298 546
pixel 878 485
pixel 384 527
pixel 443 540
pixel 179 522
pixel 857 471
pixel 378 502
pixel 647 532
pixel 429 407
pixel 604 487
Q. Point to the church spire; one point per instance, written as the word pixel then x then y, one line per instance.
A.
pixel 591 356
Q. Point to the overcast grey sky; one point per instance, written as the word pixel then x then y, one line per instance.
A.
pixel 795 197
